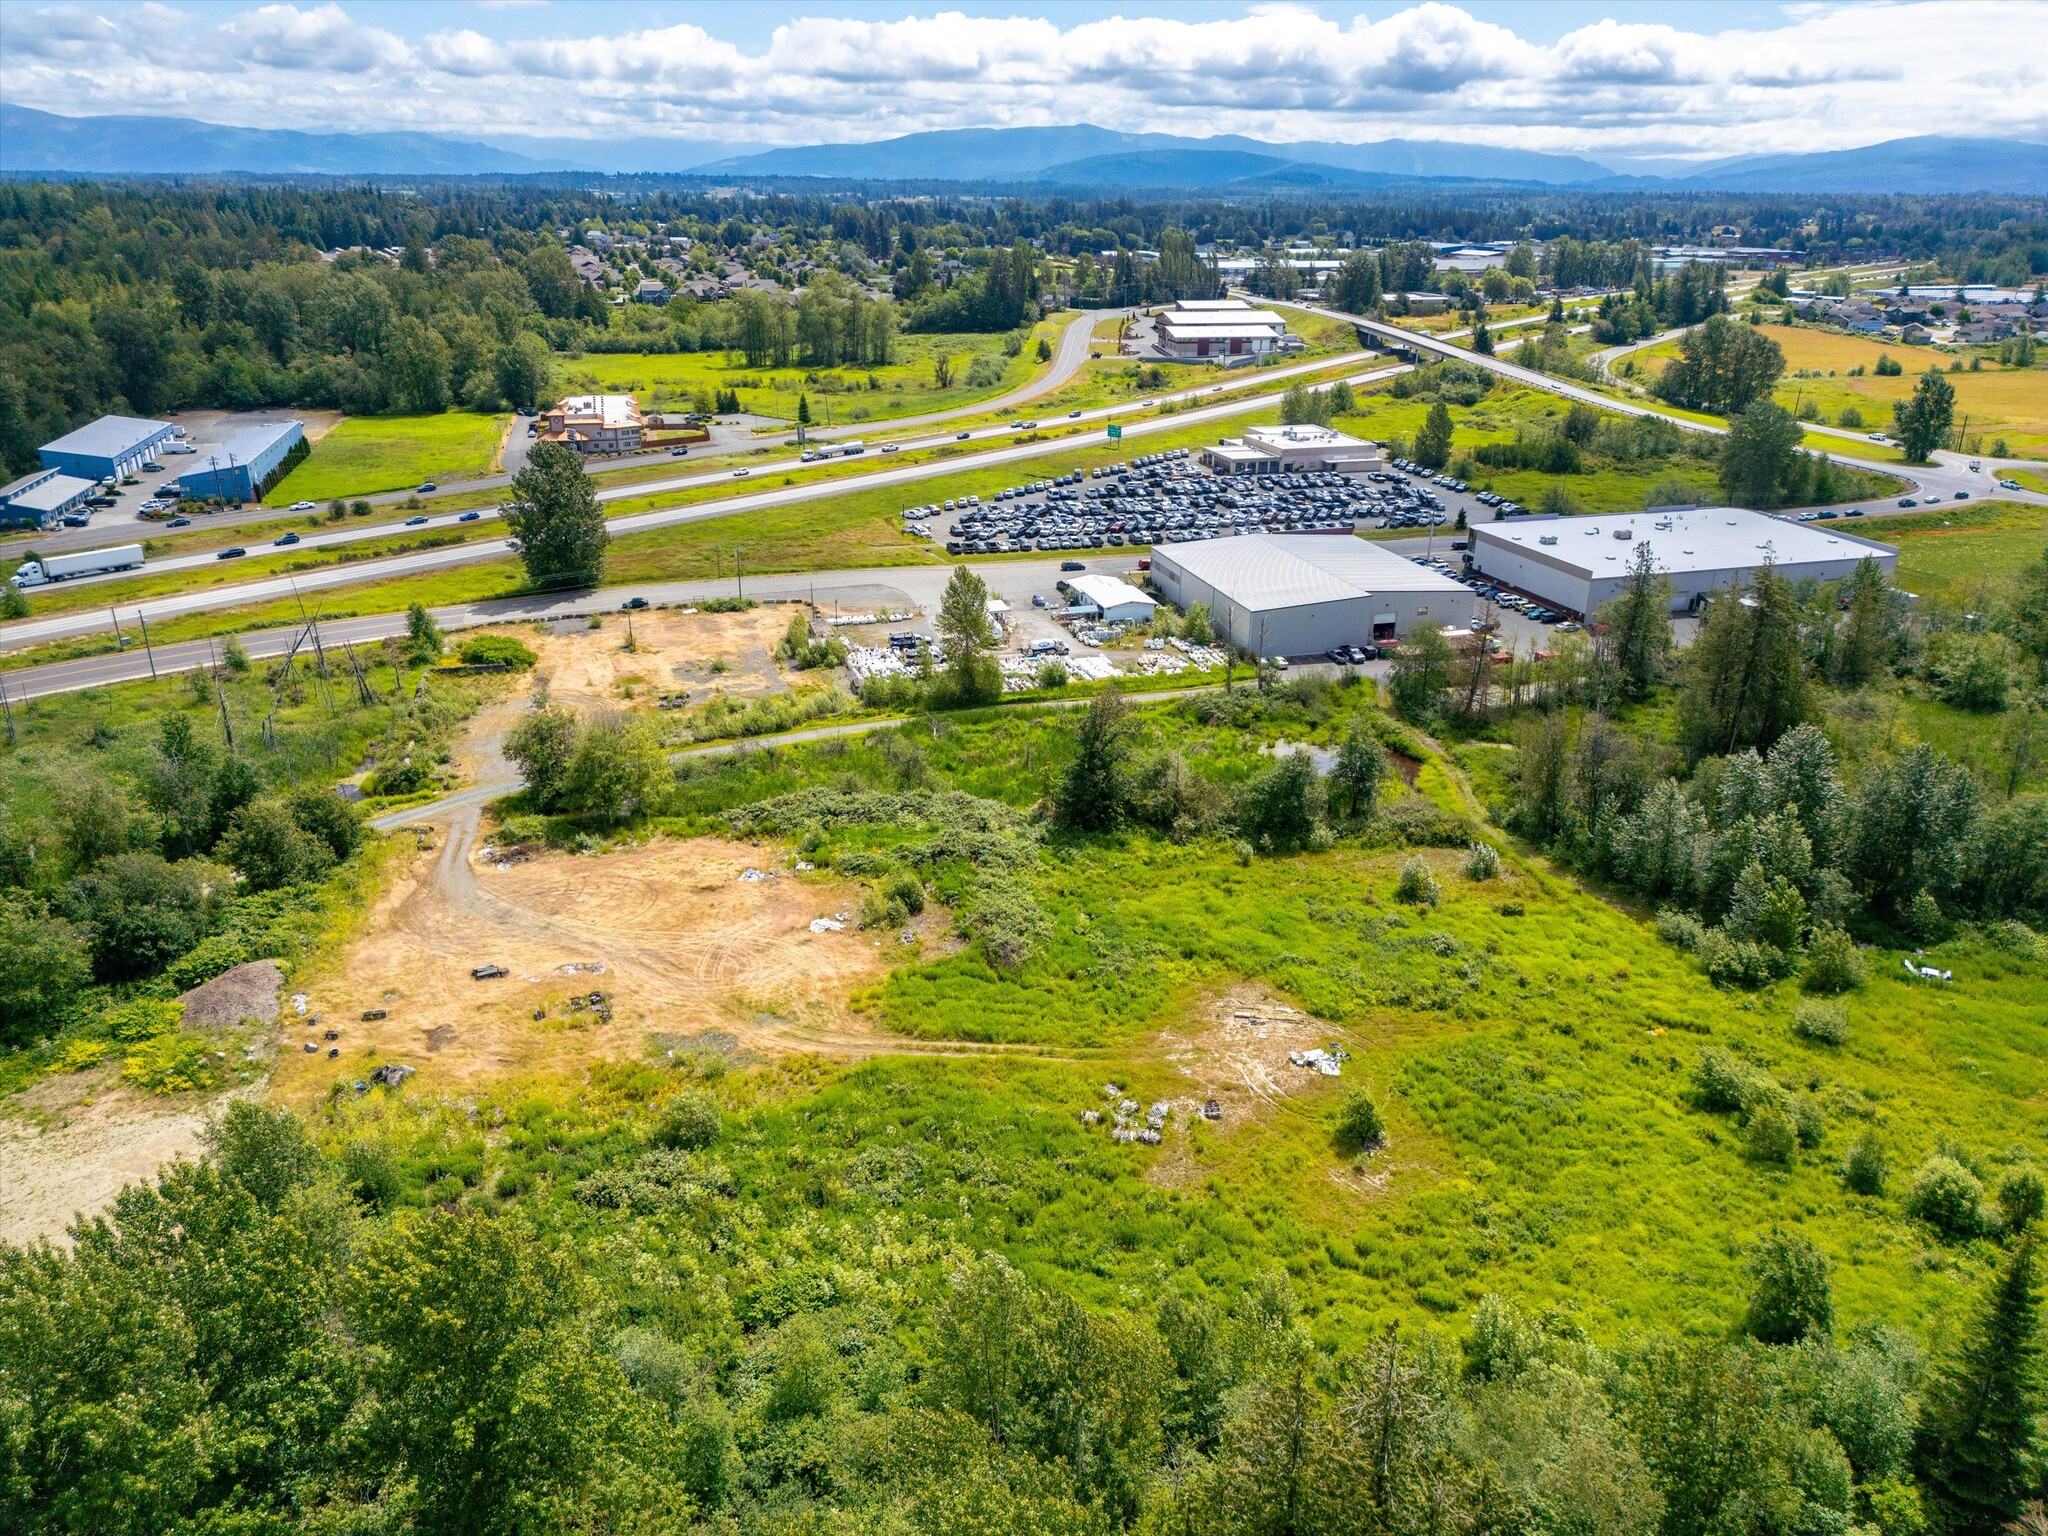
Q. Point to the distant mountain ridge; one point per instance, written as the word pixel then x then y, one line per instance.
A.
pixel 1078 155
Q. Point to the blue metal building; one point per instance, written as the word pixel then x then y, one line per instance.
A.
pixel 108 448
pixel 235 471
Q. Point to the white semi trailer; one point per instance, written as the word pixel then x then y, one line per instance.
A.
pixel 87 562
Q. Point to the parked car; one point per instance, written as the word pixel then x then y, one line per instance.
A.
pixel 285 538
pixel 301 506
pixel 150 466
pixel 489 972
pixel 1038 599
pixel 469 517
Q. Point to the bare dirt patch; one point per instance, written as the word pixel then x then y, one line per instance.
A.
pixel 668 936
pixel 673 652
pixel 247 992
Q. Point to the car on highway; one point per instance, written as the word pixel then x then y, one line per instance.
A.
pixel 633 605
pixel 961 437
pixel 1853 512
pixel 2011 485
pixel 428 485
pixel 1072 414
pixel 300 506
pixel 234 552
pixel 679 453
pixel 179 522
pixel 1962 495
pixel 1026 426
pixel 1876 437
pixel 741 474
pixel 1909 502
pixel 285 538
pixel 469 517
pixel 890 447
pixel 414 522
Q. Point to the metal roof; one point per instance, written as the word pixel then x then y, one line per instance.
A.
pixel 244 445
pixel 1277 570
pixel 1705 539
pixel 50 493
pixel 1106 592
pixel 112 437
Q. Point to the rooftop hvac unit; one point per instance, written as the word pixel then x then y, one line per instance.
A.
pixel 1623 533
pixel 1548 538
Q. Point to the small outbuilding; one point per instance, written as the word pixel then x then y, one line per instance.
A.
pixel 46 497
pixel 1106 598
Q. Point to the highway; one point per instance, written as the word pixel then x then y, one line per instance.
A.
pixel 34 631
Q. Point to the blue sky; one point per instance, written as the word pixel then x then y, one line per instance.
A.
pixel 1619 82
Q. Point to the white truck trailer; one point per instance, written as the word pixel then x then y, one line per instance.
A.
pixel 87 562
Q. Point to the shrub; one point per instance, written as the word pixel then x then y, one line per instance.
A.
pixel 1482 861
pixel 1825 1023
pixel 1725 1083
pixel 1923 917
pixel 1850 417
pixel 727 605
pixel 689 1120
pixel 407 777
pixel 1735 962
pixel 1833 964
pixel 496 651
pixel 144 1018
pixel 2021 1195
pixel 1359 1125
pixel 370 1172
pixel 2015 938
pixel 1790 1298
pixel 172 1063
pixel 1680 928
pixel 1808 1121
pixel 207 959
pixel 1770 1135
pixel 1948 1197
pixel 905 893
pixel 1865 1168
pixel 1417 885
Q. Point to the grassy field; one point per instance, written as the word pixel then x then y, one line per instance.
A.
pixel 367 454
pixel 669 381
pixel 1999 402
pixel 1954 552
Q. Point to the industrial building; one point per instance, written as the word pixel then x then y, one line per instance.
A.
pixel 1301 594
pixel 595 424
pixel 1578 563
pixel 1219 328
pixel 1107 599
pixel 241 468
pixel 108 448
pixel 1294 450
pixel 46 497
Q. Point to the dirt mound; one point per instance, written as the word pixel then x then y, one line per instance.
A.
pixel 672 653
pixel 246 992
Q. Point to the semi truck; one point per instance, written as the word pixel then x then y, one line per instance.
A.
pixel 87 562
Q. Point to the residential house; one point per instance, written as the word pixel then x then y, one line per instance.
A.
pixel 652 290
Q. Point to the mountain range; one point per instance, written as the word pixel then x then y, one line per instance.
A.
pixel 1082 157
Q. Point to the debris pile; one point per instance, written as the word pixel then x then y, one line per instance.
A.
pixel 599 1003
pixel 750 874
pixel 1927 972
pixel 1327 1059
pixel 1211 1110
pixel 829 924
pixel 866 661
pixel 576 967
pixel 1127 1129
pixel 891 617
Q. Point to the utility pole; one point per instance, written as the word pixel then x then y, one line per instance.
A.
pixel 120 639
pixel 739 572
pixel 148 650
pixel 220 697
pixel 7 709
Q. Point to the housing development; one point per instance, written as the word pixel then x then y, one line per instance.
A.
pixel 1210 770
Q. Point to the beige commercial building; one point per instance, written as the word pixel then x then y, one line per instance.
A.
pixel 1296 450
pixel 595 423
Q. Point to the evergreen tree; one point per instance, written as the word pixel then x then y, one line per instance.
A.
pixel 1745 676
pixel 971 673
pixel 1360 768
pixel 1433 442
pixel 1760 458
pixel 1092 791
pixel 553 512
pixel 423 640
pixel 1974 1449
pixel 1638 620
pixel 1482 339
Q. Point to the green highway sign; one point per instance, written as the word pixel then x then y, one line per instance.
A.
pixel 1116 433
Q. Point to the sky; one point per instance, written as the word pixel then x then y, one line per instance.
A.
pixel 1625 83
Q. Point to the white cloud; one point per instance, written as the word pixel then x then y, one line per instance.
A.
pixel 1827 76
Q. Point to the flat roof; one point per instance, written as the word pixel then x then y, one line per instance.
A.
pixel 1106 592
pixel 615 410
pixel 1705 539
pixel 1279 570
pixel 51 494
pixel 243 446
pixel 1212 305
pixel 1303 435
pixel 111 437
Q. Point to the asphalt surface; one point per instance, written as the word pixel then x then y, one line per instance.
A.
pixel 33 631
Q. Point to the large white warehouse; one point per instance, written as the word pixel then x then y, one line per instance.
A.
pixel 1578 563
pixel 1300 594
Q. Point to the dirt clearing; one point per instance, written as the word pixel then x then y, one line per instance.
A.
pixel 602 951
pixel 673 652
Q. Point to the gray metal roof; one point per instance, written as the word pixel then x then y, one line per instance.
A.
pixel 243 446
pixel 1277 570
pixel 1706 539
pixel 112 437
pixel 52 493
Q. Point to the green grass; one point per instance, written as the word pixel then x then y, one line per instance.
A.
pixel 367 454
pixel 1958 550
pixel 668 381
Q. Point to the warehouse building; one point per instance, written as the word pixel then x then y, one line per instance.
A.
pixel 1578 563
pixel 1295 450
pixel 242 468
pixel 108 448
pixel 1301 594
pixel 1220 328
pixel 46 497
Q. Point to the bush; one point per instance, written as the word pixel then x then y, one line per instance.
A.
pixel 2021 1196
pixel 1680 928
pixel 1417 885
pixel 727 605
pixel 1482 861
pixel 1770 1135
pixel 496 651
pixel 1833 964
pixel 1809 1122
pixel 1725 1083
pixel 1923 917
pixel 144 1018
pixel 1948 1197
pixel 173 1063
pixel 906 894
pixel 1735 962
pixel 1865 1168
pixel 1359 1125
pixel 689 1120
pixel 406 777
pixel 207 959
pixel 1790 1298
pixel 370 1173
pixel 1825 1023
